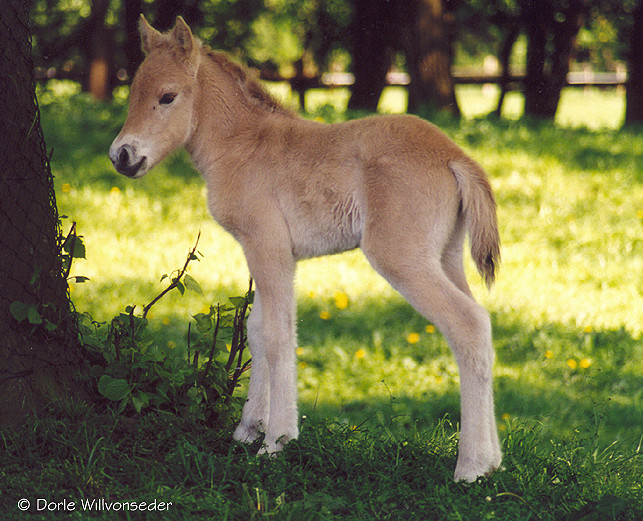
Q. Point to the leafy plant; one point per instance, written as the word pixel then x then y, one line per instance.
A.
pixel 135 374
pixel 42 317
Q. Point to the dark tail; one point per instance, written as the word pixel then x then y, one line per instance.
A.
pixel 479 208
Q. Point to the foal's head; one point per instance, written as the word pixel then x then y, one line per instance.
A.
pixel 162 98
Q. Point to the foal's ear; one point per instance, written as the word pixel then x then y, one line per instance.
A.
pixel 183 36
pixel 148 35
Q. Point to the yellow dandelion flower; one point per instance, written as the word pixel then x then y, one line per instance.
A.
pixel 311 294
pixel 360 354
pixel 549 354
pixel 324 315
pixel 228 347
pixel 639 214
pixel 430 328
pixel 166 321
pixel 302 364
pixel 585 363
pixel 341 300
pixel 439 380
pixel 413 338
pixel 502 427
pixel 115 190
pixel 572 364
pixel 588 329
pixel 506 417
pixel 66 187
pixel 299 351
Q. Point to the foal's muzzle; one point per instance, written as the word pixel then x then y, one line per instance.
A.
pixel 127 161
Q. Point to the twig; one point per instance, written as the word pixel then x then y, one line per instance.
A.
pixel 72 234
pixel 189 327
pixel 176 280
pixel 208 364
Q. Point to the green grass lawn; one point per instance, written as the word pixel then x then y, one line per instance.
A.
pixel 378 385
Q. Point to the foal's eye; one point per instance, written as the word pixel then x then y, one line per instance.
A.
pixel 166 99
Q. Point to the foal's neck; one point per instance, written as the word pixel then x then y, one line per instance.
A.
pixel 230 109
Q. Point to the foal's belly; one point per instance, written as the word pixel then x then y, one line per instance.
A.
pixel 317 230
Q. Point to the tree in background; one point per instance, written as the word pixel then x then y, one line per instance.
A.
pixel 97 41
pixel 373 36
pixel 39 348
pixel 427 32
pixel 634 97
pixel 423 31
pixel 551 27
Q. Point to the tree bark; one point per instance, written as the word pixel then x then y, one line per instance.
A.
pixel 372 33
pixel 634 93
pixel 133 52
pixel 38 356
pixel 551 38
pixel 427 40
pixel 99 53
pixel 420 28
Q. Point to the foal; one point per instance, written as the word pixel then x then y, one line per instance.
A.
pixel 287 188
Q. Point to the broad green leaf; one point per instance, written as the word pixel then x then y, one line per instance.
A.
pixel 203 322
pixel 33 316
pixel 96 371
pixel 50 326
pixel 19 310
pixel 140 401
pixel 114 389
pixel 78 279
pixel 192 284
pixel 237 302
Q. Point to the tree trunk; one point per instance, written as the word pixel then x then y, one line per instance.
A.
pixel 634 93
pixel 39 355
pixel 504 57
pixel 99 53
pixel 551 38
pixel 427 40
pixel 133 52
pixel 371 32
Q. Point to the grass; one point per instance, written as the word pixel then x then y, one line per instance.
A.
pixel 378 385
pixel 332 472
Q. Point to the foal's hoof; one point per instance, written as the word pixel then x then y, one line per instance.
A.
pixel 248 432
pixel 469 472
pixel 273 447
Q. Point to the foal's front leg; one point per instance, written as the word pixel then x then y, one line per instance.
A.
pixel 272 396
pixel 256 411
pixel 278 334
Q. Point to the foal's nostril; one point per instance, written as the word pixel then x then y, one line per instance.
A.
pixel 123 156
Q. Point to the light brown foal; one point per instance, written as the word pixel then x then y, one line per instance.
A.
pixel 287 188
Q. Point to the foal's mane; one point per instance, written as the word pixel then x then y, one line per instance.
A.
pixel 253 91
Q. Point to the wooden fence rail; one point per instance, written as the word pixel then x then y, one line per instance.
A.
pixel 300 84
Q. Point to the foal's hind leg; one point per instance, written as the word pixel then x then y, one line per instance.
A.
pixel 467 328
pixel 452 265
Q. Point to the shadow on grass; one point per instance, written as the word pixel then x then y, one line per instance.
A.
pixel 565 379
